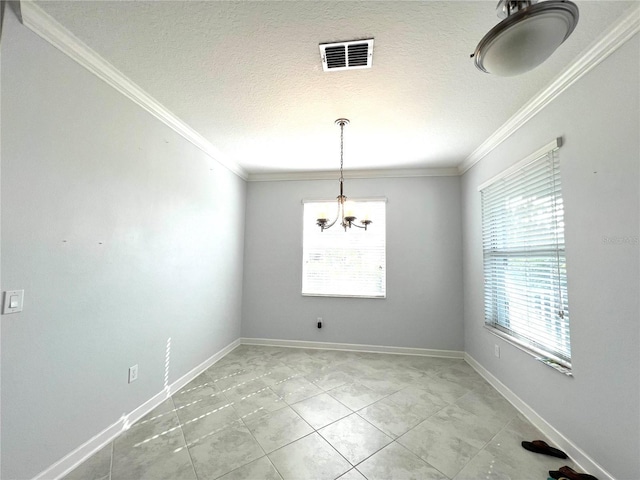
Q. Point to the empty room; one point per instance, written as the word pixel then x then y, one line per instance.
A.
pixel 308 240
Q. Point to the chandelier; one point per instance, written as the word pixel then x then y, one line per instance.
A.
pixel 348 220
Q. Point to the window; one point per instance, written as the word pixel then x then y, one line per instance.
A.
pixel 525 278
pixel 336 263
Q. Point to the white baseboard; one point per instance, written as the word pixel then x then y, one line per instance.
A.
pixel 353 347
pixel 586 463
pixel 186 378
pixel 91 446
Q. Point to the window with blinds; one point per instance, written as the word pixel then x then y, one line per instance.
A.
pixel 525 277
pixel 336 263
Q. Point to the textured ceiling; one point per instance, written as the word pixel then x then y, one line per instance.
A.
pixel 248 76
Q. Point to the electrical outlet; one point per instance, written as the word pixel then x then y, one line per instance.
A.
pixel 496 351
pixel 133 373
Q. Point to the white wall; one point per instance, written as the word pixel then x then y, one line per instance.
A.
pixel 598 409
pixel 424 267
pixel 123 236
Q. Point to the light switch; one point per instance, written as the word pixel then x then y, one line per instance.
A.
pixel 13 301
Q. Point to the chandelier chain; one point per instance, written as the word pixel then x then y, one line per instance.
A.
pixel 347 219
pixel 341 149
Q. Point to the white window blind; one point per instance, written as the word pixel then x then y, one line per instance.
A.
pixel 525 289
pixel 344 264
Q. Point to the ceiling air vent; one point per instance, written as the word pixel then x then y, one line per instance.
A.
pixel 346 55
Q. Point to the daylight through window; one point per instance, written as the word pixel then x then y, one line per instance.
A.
pixel 336 263
pixel 525 277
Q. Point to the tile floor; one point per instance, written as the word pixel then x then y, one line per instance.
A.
pixel 286 413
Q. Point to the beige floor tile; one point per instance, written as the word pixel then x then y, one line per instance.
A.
pixel 321 410
pixel 440 446
pixel 295 390
pixel 392 419
pixel 199 421
pixel 153 449
pixel 355 438
pixel 352 474
pixel 278 428
pixel 355 396
pixel 261 469
pixel 397 463
pixel 442 388
pixel 258 404
pixel 309 458
pixel 420 402
pixel 224 451
pixel 328 380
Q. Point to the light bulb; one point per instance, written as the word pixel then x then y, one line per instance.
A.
pixel 349 209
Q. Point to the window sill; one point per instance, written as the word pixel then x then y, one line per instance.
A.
pixel 535 353
pixel 556 366
pixel 335 295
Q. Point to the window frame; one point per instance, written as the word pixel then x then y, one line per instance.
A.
pixel 310 224
pixel 495 314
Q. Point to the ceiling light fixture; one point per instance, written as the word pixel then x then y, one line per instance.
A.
pixel 527 36
pixel 346 219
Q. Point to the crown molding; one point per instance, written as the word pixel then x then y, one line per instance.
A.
pixel 50 30
pixel 42 24
pixel 600 49
pixel 333 174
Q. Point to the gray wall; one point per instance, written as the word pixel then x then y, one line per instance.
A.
pixel 424 267
pixel 122 235
pixel 109 224
pixel 598 409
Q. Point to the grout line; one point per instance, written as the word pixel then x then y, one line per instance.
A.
pixel 256 440
pixel 484 446
pixel 328 368
pixel 421 459
pixel 352 466
pixel 274 467
pixel 292 441
pixel 356 469
pixel 253 436
pixel 111 459
pixel 185 439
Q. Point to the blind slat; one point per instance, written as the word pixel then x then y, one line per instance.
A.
pixel 339 263
pixel 525 288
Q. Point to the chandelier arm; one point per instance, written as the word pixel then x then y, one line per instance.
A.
pixel 332 223
pixel 340 214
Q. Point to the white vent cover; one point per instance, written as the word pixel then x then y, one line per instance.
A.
pixel 346 55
